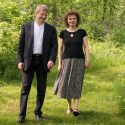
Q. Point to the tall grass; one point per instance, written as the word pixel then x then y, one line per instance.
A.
pixel 105 54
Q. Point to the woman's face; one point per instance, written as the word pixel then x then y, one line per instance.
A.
pixel 72 20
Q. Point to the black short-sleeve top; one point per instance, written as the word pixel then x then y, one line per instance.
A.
pixel 73 43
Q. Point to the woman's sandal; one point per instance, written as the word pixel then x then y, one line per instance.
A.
pixel 69 110
pixel 75 112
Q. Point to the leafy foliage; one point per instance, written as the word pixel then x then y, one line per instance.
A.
pixel 100 19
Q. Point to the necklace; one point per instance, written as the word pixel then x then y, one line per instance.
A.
pixel 71 32
pixel 71 35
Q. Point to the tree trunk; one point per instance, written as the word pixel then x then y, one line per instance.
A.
pixel 104 9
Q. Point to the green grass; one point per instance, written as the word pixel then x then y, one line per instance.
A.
pixel 100 104
pixel 103 95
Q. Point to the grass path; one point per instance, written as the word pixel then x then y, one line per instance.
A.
pixel 102 101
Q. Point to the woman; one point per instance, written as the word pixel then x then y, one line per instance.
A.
pixel 72 61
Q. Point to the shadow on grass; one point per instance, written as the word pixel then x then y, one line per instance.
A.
pixel 85 118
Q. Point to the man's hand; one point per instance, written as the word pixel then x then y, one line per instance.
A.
pixel 50 64
pixel 21 66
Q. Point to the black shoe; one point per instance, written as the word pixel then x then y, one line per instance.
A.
pixel 75 112
pixel 39 117
pixel 21 120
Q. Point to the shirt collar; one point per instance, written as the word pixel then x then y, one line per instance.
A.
pixel 35 23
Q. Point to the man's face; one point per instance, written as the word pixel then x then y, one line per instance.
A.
pixel 41 15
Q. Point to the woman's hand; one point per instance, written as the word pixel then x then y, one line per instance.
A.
pixel 86 64
pixel 59 67
pixel 86 48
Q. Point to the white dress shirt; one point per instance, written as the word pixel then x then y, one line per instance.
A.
pixel 38 38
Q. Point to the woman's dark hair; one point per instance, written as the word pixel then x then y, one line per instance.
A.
pixel 72 13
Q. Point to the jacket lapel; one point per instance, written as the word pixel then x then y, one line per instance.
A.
pixel 32 30
pixel 31 34
pixel 45 33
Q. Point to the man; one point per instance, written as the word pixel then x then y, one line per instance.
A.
pixel 37 52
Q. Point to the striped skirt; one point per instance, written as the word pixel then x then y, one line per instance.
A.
pixel 69 81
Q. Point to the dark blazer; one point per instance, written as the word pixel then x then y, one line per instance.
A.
pixel 25 48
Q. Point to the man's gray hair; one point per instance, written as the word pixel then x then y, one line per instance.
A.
pixel 41 6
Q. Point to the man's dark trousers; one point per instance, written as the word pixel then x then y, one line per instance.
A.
pixel 41 75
